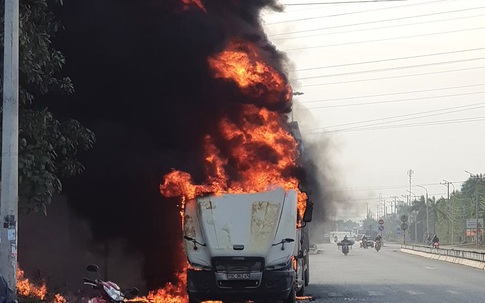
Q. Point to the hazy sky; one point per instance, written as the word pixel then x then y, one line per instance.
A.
pixel 396 85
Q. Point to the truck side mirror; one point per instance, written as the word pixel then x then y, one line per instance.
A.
pixel 308 215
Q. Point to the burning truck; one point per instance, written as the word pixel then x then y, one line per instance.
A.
pixel 244 228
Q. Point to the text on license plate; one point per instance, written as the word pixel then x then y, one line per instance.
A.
pixel 237 276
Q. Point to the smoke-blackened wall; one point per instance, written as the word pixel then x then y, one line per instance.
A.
pixel 144 87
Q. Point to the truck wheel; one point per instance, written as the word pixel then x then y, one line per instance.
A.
pixel 301 291
pixel 307 270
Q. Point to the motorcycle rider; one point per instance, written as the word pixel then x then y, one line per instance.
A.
pixel 435 241
pixel 346 241
pixel 378 238
pixel 363 242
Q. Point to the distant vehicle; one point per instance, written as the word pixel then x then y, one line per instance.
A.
pixel 338 236
pixel 369 242
pixel 344 245
pixel 352 240
pixel 377 245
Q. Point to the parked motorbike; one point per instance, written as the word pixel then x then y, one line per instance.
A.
pixel 109 292
pixel 377 246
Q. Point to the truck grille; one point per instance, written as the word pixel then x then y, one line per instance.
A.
pixel 238 264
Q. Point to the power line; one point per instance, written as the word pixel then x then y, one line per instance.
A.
pixel 389 102
pixel 393 77
pixel 383 127
pixel 390 68
pixel 358 12
pixel 385 39
pixel 391 94
pixel 424 114
pixel 393 59
pixel 385 20
pixel 417 124
pixel 374 28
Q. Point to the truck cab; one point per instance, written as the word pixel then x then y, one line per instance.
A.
pixel 245 247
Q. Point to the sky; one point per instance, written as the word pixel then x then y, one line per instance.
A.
pixel 394 86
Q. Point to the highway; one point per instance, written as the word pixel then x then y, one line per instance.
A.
pixel 389 275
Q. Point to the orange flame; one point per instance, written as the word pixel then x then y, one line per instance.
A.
pixel 242 62
pixel 59 299
pixel 27 289
pixel 198 3
pixel 262 152
pixel 171 293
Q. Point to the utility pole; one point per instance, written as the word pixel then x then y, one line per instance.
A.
pixel 410 174
pixel 447 184
pixel 10 125
pixel 452 209
pixel 395 205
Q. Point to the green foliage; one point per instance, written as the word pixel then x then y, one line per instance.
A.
pixel 48 147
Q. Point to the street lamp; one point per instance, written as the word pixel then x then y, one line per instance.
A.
pixel 427 210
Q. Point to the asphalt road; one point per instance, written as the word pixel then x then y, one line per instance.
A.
pixel 390 276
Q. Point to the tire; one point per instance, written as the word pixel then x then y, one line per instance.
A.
pixel 301 291
pixel 306 275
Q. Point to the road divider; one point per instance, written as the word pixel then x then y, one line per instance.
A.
pixel 470 258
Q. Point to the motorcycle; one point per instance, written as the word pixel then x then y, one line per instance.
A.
pixel 377 246
pixel 345 247
pixel 110 292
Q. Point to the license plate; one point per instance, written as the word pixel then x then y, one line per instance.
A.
pixel 237 276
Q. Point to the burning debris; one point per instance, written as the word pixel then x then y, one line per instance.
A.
pixel 25 288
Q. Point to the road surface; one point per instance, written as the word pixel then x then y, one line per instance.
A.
pixel 389 275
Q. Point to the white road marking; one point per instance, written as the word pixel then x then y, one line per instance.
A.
pixel 412 292
pixel 375 293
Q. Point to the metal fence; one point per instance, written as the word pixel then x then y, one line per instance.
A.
pixel 452 252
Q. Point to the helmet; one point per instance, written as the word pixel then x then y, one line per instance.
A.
pixel 345 237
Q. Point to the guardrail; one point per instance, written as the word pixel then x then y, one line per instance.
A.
pixel 452 252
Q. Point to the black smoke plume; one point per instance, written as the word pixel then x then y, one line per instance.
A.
pixel 143 85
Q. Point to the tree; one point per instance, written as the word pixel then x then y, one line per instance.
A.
pixel 48 146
